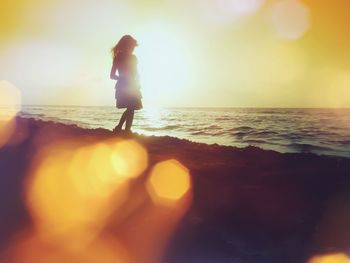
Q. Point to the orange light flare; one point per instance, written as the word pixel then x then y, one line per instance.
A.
pixel 76 192
pixel 169 182
pixel 28 247
pixel 331 258
pixel 10 101
pixel 147 231
pixel 73 189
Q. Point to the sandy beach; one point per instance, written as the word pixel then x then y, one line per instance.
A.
pixel 243 205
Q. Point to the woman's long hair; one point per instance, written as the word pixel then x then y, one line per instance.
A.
pixel 125 44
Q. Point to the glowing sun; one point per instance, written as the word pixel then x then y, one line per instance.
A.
pixel 165 64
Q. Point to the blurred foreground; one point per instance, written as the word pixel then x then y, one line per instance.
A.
pixel 75 195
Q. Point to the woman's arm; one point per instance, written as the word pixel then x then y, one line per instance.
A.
pixel 113 74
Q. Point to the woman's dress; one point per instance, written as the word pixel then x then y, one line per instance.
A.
pixel 127 88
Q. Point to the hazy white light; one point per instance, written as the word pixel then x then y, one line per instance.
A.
pixel 290 19
pixel 91 20
pixel 41 64
pixel 228 11
pixel 165 63
pixel 243 7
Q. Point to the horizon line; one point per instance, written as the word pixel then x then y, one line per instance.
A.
pixel 191 107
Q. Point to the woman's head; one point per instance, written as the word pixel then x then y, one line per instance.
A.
pixel 126 44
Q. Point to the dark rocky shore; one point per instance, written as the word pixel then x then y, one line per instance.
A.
pixel 249 205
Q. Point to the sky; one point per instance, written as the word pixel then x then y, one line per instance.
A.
pixel 191 53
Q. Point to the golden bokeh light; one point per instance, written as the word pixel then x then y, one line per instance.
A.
pixel 290 19
pixel 29 247
pixel 129 159
pixel 169 181
pixel 84 207
pixel 331 258
pixel 73 190
pixel 10 102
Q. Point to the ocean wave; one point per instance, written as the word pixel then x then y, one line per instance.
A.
pixel 266 133
pixel 213 126
pixel 240 134
pixel 171 127
pixel 241 130
pixel 346 142
pixel 192 129
pixel 223 118
pixel 201 133
pixel 168 127
pixel 253 141
pixel 219 133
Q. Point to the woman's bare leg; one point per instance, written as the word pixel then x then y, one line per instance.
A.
pixel 129 119
pixel 122 120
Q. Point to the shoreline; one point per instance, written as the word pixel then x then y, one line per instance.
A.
pixel 307 150
pixel 250 204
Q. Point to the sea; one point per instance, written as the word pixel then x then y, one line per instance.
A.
pixel 320 131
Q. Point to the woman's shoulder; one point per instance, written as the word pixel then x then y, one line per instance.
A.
pixel 134 58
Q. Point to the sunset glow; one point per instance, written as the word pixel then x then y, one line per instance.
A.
pixel 165 63
pixel 174 131
pixel 191 53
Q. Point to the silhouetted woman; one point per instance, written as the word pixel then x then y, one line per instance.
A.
pixel 127 89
